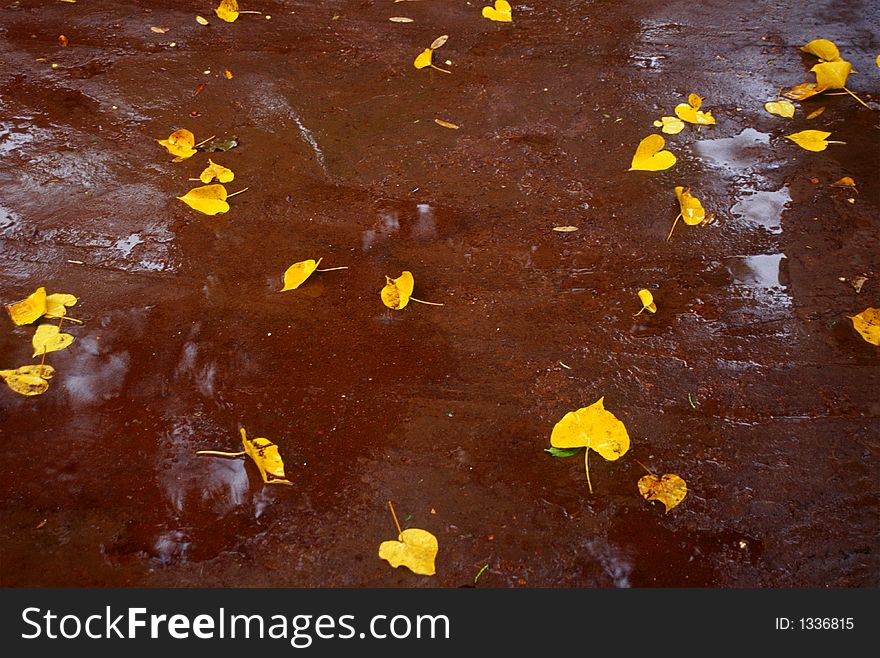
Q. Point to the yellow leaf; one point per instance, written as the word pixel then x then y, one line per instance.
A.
pixel 29 309
pixel 396 293
pixel 670 125
pixel 227 74
pixel 267 458
pixel 780 108
pixel 180 143
pixel 877 61
pixel 594 428
pixel 57 303
pixel 48 338
pixel 296 274
pixel 227 11
pixel 669 490
pixel 650 156
pixel 209 199
pixel 832 75
pixel 823 49
pixel 803 91
pixel 213 170
pixel 201 21
pixel 28 380
pixel 816 112
pixel 690 112
pixel 812 140
pixel 692 211
pixel 416 550
pixel 439 41
pixel 446 124
pixel 501 12
pixel 846 181
pixel 647 300
pixel 867 323
pixel 424 59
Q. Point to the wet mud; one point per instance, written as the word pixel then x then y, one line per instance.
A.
pixel 444 410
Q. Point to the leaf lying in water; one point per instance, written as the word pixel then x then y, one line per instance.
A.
pixel 446 124
pixel 670 125
pixel 832 75
pixel 650 155
pixel 846 181
pixel 501 12
pixel 867 323
pixel 296 274
pixel 781 108
pixel 647 300
pixel 219 144
pixel 57 303
pixel 208 199
pixel 669 489
pixel 48 338
pixel 397 292
pixel 414 549
pixel 823 49
pixel 691 210
pixel 228 10
pixel 812 140
pixel 265 455
pixel 29 309
pixel 28 380
pixel 180 143
pixel 595 429
pixel 691 113
pixel 213 170
pixel 803 91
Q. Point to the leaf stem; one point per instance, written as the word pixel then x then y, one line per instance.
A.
pixel 857 98
pixel 439 69
pixel 394 516
pixel 205 141
pixel 673 227
pixel 55 317
pixel 413 299
pixel 331 269
pixel 650 472
pixel 830 141
pixel 218 453
pixel 587 462
pixel 229 196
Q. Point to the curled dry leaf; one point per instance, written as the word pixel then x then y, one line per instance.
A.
pixel 846 181
pixel 669 125
pixel 650 155
pixel 501 12
pixel 867 323
pixel 415 549
pixel 823 49
pixel 296 274
pixel 63 41
pixel 439 41
pixel 595 429
pixel 28 380
pixel 213 170
pixel 780 108
pixel 208 199
pixel 397 292
pixel 29 309
pixel 267 458
pixel 647 300
pixel 180 143
pixel 691 210
pixel 811 140
pixel 669 490
pixel 691 113
pixel 49 338
pixel 446 124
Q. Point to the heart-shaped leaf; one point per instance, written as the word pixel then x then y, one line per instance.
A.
pixel 501 12
pixel 690 112
pixel 832 75
pixel 867 323
pixel 57 303
pixel 780 108
pixel 669 490
pixel 208 199
pixel 812 140
pixel 670 125
pixel 823 49
pixel 397 292
pixel 296 274
pixel 48 338
pixel 650 155
pixel 28 380
pixel 213 170
pixel 180 143
pixel 415 549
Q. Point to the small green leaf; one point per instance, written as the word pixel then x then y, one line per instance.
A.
pixel 219 144
pixel 562 452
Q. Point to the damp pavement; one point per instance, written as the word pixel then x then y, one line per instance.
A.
pixel 445 410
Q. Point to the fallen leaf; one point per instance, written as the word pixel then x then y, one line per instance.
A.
pixel 296 274
pixel 415 549
pixel 199 88
pixel 400 19
pixel 63 41
pixel 201 21
pixel 501 12
pixel 669 490
pixel 208 199
pixel 816 112
pixel 647 300
pixel 228 10
pixel 180 143
pixel 57 303
pixel 159 30
pixel 812 140
pixel 28 380
pixel 649 155
pixel 858 282
pixel 267 458
pixel 446 124
pixel 565 229
pixel 780 108
pixel 227 74
pixel 397 292
pixel 823 49
pixel 48 338
pixel 213 170
pixel 832 75
pixel 867 323
pixel 29 309
pixel 562 452
pixel 803 91
pixel 439 41
pixel 691 209
pixel 691 113
pixel 424 60
pixel 670 125
pixel 593 428
pixel 219 145
pixel 846 181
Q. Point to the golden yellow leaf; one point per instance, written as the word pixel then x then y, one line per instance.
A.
pixel 57 303
pixel 227 11
pixel 424 59
pixel 201 21
pixel 803 91
pixel 208 199
pixel 780 108
pixel 267 458
pixel 227 74
pixel 692 211
pixel 415 549
pixel 823 49
pixel 846 181
pixel 29 309
pixel 180 143
pixel 867 323
pixel 832 75
pixel 877 61
pixel 213 170
pixel 816 112
pixel 28 380
pixel 670 125
pixel 296 274
pixel 669 490
pixel 691 113
pixel 594 428
pixel 397 292
pixel 501 12
pixel 439 41
pixel 650 155
pixel 647 300
pixel 446 124
pixel 48 338
pixel 812 140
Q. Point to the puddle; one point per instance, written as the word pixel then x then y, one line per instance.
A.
pixel 764 209
pixel 737 153
pixel 125 245
pixel 766 271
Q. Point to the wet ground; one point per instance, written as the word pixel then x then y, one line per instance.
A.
pixel 444 410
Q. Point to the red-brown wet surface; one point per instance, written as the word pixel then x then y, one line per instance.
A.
pixel 444 410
